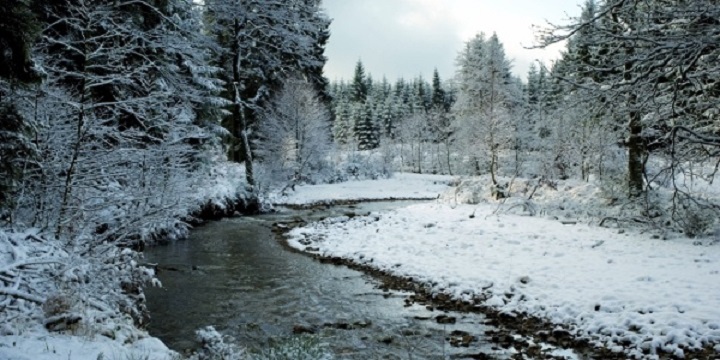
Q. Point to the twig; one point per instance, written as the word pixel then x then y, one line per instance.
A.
pixel 40 261
pixel 22 295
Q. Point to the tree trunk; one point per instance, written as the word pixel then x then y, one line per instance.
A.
pixel 636 148
pixel 239 121
pixel 447 156
pixel 73 162
pixel 636 152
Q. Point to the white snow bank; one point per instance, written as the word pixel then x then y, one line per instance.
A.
pixel 41 345
pixel 619 290
pixel 78 293
pixel 400 186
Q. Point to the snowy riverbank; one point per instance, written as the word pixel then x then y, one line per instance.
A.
pixel 82 300
pixel 401 186
pixel 617 288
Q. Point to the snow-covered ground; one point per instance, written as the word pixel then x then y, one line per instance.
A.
pixel 89 294
pixel 45 346
pixel 399 186
pixel 620 289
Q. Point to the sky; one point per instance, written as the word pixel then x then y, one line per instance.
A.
pixel 407 38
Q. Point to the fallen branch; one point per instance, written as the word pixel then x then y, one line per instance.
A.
pixel 21 295
pixel 526 205
pixel 618 221
pixel 29 262
pixel 608 218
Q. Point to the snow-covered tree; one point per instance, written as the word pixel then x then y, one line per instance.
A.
pixel 359 85
pixel 18 29
pixel 366 129
pixel 261 43
pixel 117 117
pixel 294 134
pixel 652 60
pixel 343 122
pixel 486 97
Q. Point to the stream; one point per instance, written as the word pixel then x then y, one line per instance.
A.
pixel 234 274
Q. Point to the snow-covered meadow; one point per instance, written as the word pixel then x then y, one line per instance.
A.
pixel 619 288
pixel 404 186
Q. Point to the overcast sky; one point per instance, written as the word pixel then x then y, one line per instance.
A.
pixel 406 38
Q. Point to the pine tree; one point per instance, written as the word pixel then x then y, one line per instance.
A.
pixel 343 123
pixel 366 131
pixel 359 85
pixel 18 29
pixel 439 98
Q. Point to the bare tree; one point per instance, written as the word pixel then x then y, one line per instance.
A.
pixel 293 137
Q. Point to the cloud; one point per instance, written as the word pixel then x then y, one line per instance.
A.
pixel 405 38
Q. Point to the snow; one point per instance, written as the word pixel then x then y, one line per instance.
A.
pixel 41 345
pixel 620 289
pixel 400 186
pixel 50 284
pixel 45 280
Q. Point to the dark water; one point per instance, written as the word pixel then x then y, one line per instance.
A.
pixel 234 275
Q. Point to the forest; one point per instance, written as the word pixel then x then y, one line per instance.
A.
pixel 123 123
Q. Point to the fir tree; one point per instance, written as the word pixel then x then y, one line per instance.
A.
pixel 18 30
pixel 359 85
pixel 366 131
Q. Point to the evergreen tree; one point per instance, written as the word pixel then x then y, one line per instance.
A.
pixel 18 29
pixel 486 98
pixel 248 32
pixel 359 84
pixel 366 131
pixel 343 123
pixel 439 98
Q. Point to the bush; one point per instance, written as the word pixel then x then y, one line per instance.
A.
pixel 301 347
pixel 694 217
pixel 214 346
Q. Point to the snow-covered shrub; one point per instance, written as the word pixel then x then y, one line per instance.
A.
pixel 215 347
pixel 694 217
pixel 59 303
pixel 360 165
pixel 301 347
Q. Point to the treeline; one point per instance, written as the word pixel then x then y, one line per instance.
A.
pixel 460 126
pixel 368 113
pixel 632 102
pixel 113 113
pixel 639 82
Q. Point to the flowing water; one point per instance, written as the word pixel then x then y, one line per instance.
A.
pixel 233 274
